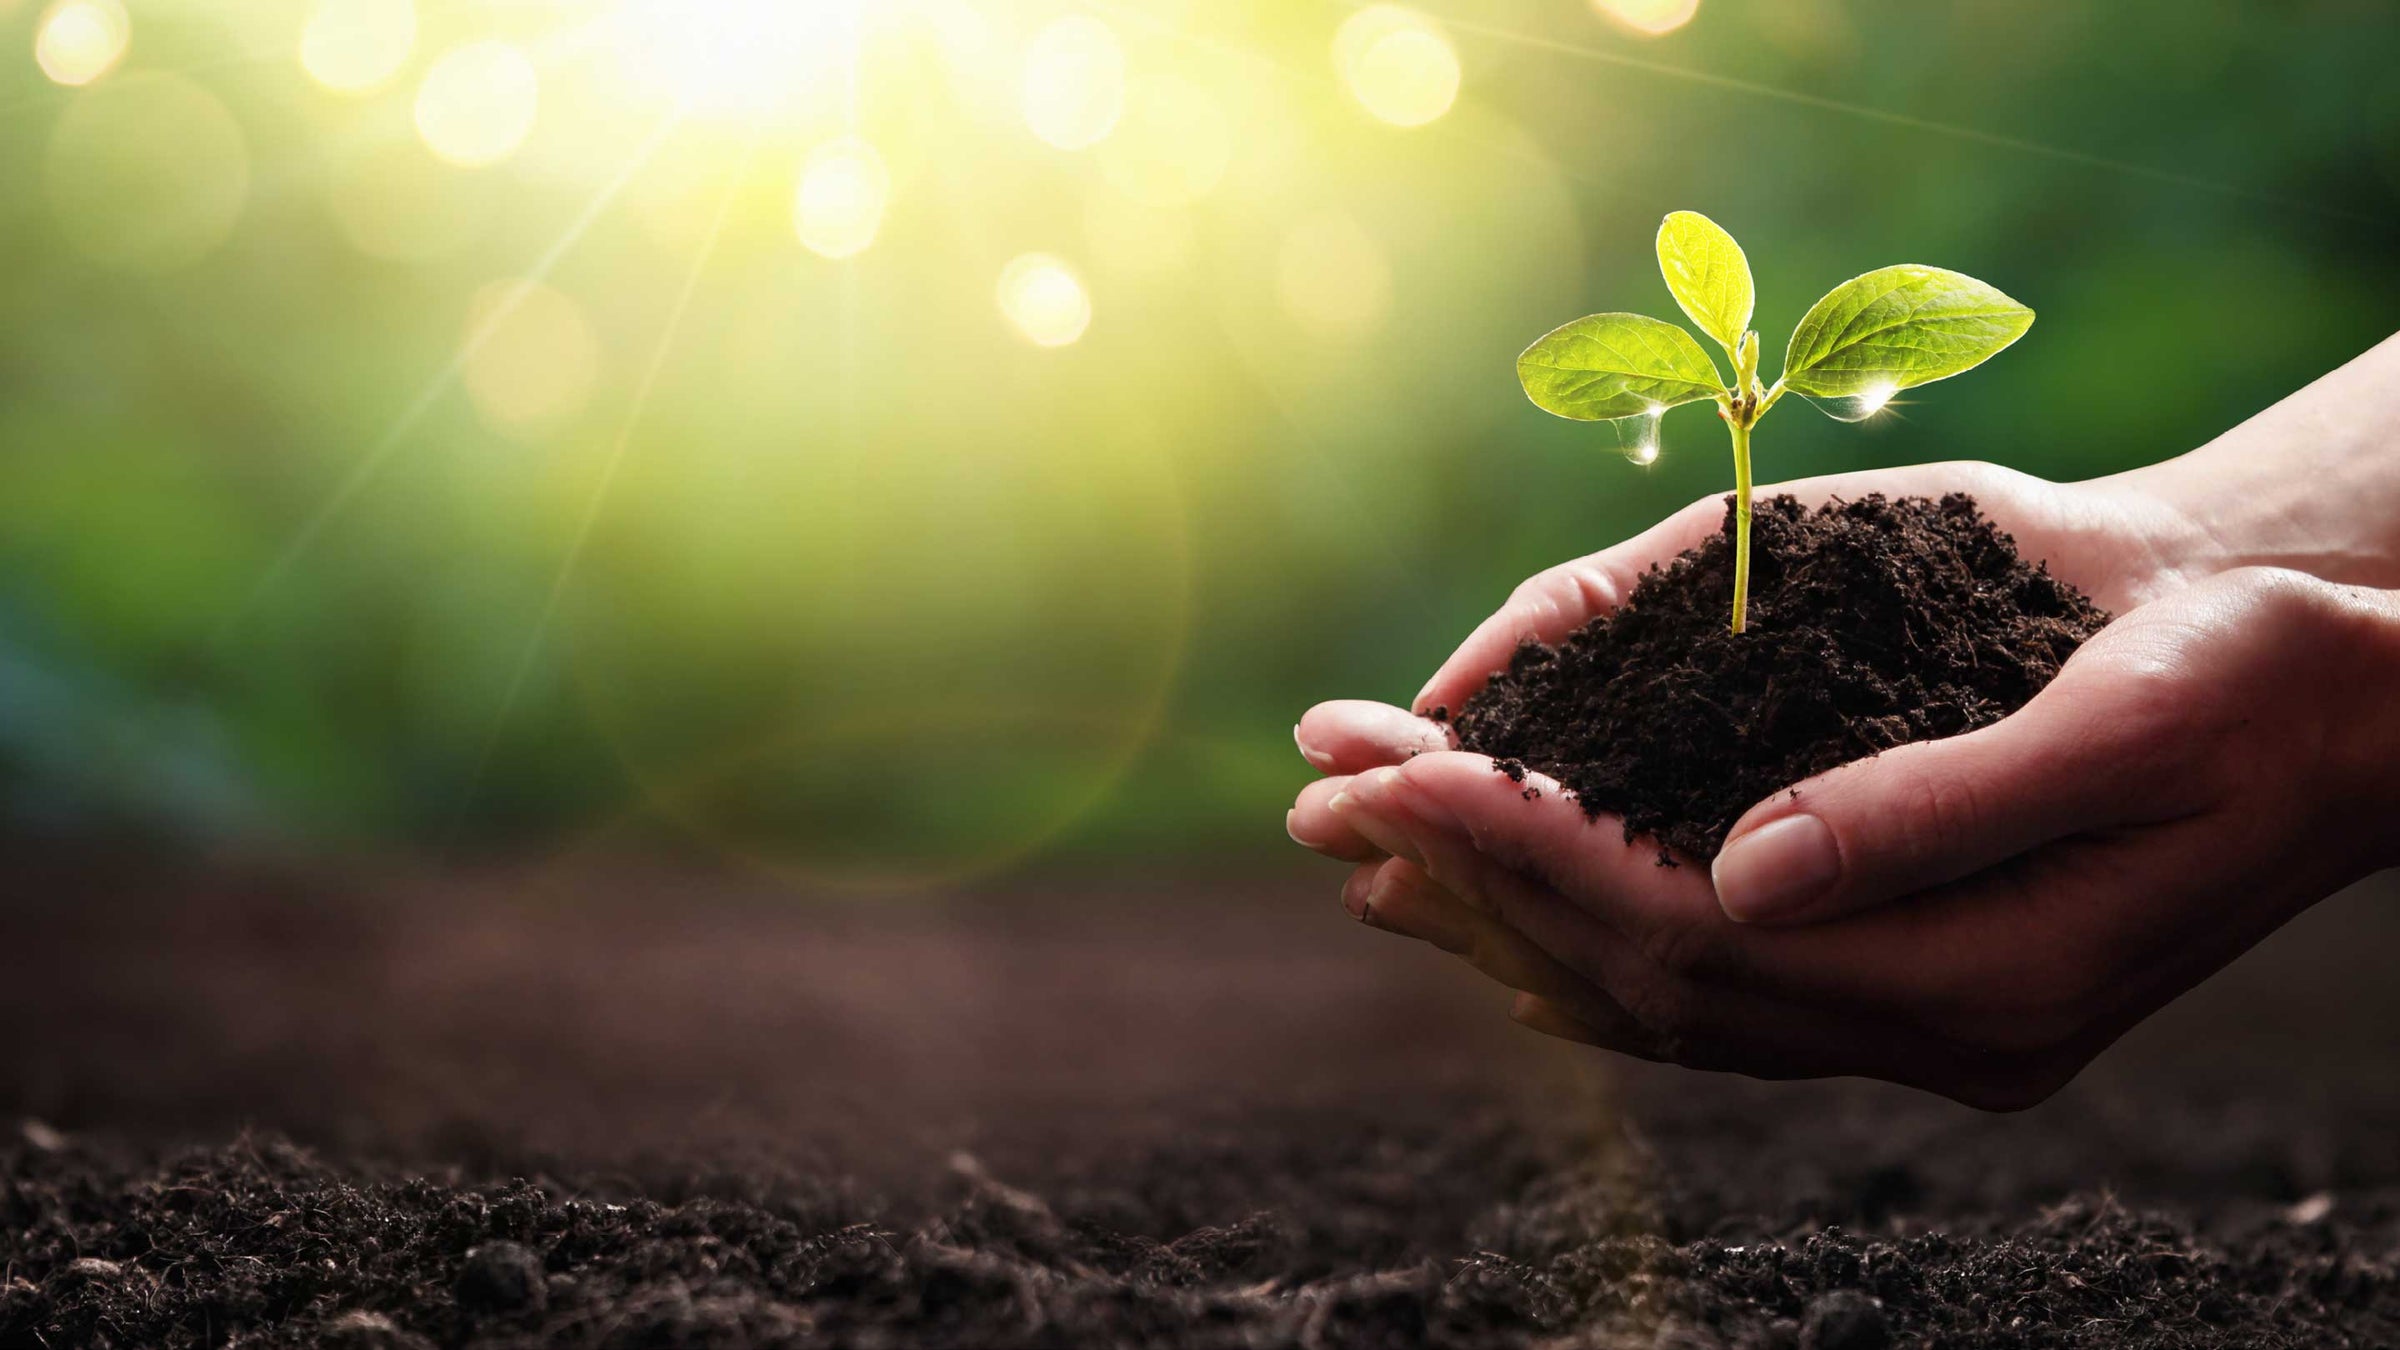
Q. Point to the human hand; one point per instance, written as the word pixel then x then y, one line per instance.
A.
pixel 2067 870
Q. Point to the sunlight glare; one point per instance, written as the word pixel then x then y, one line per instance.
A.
pixel 81 40
pixel 734 56
pixel 1398 64
pixel 844 189
pixel 478 103
pixel 1654 18
pixel 1074 82
pixel 354 46
pixel 1876 398
pixel 1045 300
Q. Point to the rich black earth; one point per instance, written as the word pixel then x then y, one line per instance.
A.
pixel 1872 623
pixel 617 1107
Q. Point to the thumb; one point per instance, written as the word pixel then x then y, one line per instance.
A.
pixel 1924 814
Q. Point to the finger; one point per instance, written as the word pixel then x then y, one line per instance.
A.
pixel 1654 1012
pixel 1313 824
pixel 1399 897
pixel 1963 992
pixel 1534 828
pixel 1540 1014
pixel 1552 604
pixel 1353 735
pixel 1584 894
pixel 1919 816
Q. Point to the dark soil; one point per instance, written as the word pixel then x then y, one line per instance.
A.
pixel 667 1109
pixel 1872 623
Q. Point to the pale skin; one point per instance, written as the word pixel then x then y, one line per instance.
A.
pixel 1978 916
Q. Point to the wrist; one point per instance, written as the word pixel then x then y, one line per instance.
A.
pixel 2310 485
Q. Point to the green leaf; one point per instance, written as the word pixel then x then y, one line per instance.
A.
pixel 1616 365
pixel 1899 327
pixel 1708 274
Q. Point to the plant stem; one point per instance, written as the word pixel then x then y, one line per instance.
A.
pixel 1741 520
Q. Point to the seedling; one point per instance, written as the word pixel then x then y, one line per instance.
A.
pixel 1871 337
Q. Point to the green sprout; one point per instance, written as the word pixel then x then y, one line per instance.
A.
pixel 1871 337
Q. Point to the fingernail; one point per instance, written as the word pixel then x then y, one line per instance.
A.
pixel 1317 759
pixel 1777 870
pixel 1288 818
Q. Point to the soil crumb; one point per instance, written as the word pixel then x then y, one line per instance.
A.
pixel 1873 623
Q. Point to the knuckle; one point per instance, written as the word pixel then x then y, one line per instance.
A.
pixel 1540 592
pixel 1935 811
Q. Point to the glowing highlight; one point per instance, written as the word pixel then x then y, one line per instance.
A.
pixel 478 104
pixel 1045 300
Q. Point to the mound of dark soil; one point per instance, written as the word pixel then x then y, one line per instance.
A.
pixel 1872 623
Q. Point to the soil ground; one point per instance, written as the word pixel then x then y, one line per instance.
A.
pixel 674 1107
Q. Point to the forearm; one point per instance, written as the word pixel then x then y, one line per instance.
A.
pixel 2311 484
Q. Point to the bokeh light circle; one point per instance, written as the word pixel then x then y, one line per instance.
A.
pixel 1044 298
pixel 843 193
pixel 1074 89
pixel 357 46
pixel 1398 64
pixel 148 173
pixel 1332 275
pixel 925 646
pixel 478 104
pixel 1652 18
pixel 531 358
pixel 78 41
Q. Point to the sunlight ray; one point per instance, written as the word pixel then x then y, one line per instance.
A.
pixel 368 465
pixel 597 500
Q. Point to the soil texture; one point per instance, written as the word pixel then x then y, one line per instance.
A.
pixel 1872 623
pixel 676 1109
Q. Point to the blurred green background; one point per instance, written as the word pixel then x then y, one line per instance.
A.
pixel 645 431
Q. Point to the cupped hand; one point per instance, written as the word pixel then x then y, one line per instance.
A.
pixel 1977 916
